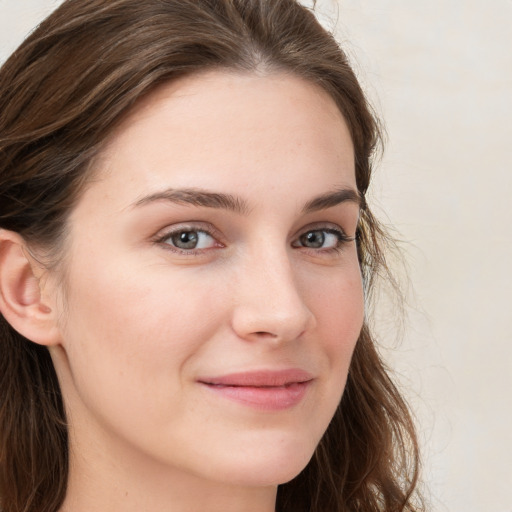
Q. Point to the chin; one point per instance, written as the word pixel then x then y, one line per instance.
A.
pixel 269 466
pixel 281 475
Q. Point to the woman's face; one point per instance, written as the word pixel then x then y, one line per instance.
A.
pixel 212 286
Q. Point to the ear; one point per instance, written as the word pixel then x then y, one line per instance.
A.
pixel 21 298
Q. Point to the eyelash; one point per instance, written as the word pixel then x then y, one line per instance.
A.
pixel 342 237
pixel 163 240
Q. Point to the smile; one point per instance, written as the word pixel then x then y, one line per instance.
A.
pixel 263 390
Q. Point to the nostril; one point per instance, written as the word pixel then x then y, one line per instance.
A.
pixel 265 334
pixel 271 322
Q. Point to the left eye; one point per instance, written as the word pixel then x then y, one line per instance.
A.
pixel 190 240
pixel 320 239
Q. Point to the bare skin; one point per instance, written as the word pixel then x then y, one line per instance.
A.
pixel 202 249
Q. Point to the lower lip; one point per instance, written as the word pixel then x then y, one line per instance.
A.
pixel 272 398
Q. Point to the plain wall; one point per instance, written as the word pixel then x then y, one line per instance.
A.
pixel 440 74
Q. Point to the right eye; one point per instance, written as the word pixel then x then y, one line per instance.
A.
pixel 189 239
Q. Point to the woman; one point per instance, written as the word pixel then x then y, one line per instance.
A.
pixel 184 255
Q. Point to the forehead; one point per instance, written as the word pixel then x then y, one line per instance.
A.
pixel 227 128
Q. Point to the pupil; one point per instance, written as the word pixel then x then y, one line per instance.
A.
pixel 185 240
pixel 314 239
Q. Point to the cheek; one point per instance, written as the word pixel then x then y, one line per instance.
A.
pixel 338 307
pixel 339 311
pixel 132 333
pixel 136 306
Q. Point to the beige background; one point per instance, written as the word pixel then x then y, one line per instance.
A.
pixel 440 74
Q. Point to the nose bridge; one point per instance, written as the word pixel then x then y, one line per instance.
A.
pixel 269 302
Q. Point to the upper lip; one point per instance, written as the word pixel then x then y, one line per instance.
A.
pixel 260 378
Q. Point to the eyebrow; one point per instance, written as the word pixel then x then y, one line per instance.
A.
pixel 200 197
pixel 331 199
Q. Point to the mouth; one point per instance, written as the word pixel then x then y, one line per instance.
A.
pixel 263 390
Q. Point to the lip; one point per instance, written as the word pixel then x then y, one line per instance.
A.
pixel 262 389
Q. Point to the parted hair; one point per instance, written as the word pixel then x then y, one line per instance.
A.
pixel 62 93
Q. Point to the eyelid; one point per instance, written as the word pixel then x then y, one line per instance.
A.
pixel 329 227
pixel 166 233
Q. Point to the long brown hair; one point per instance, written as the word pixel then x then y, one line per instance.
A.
pixel 61 94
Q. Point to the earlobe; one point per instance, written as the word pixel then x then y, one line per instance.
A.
pixel 21 301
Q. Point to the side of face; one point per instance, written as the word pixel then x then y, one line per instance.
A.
pixel 217 240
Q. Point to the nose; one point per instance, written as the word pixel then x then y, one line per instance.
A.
pixel 268 303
